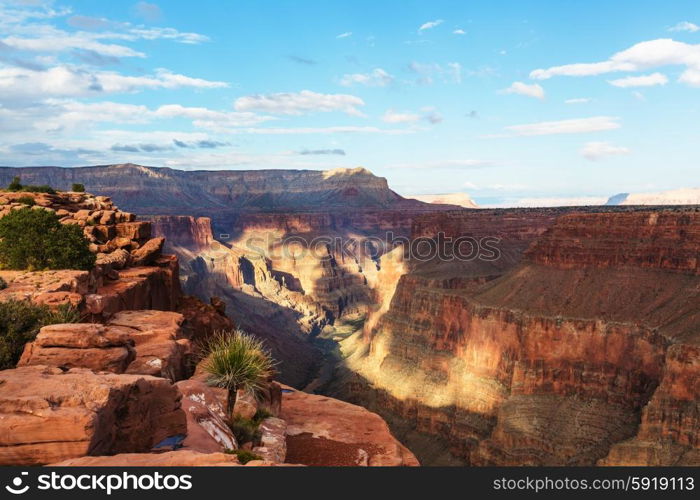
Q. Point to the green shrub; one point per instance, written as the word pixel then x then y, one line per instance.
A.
pixel 245 429
pixel 261 415
pixel 244 456
pixel 43 188
pixel 78 188
pixel 20 321
pixel 15 185
pixel 3 284
pixel 27 200
pixel 235 360
pixel 35 240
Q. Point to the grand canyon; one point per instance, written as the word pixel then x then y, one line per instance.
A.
pixel 406 331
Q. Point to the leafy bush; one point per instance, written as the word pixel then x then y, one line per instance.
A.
pixel 35 239
pixel 20 321
pixel 236 360
pixel 3 284
pixel 27 200
pixel 78 188
pixel 244 456
pixel 16 186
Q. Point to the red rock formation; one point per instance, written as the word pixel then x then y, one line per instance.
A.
pixel 48 415
pixel 552 362
pixel 328 432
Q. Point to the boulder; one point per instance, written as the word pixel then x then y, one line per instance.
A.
pixel 48 415
pixel 323 431
pixel 134 230
pixel 159 342
pixel 148 253
pixel 273 440
pixel 207 430
pixel 81 345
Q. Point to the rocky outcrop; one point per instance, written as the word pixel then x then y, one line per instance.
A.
pixel 207 430
pixel 137 342
pixel 130 272
pixel 48 415
pixel 669 433
pixel 328 432
pixel 81 345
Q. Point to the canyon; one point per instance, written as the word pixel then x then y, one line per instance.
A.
pixel 568 338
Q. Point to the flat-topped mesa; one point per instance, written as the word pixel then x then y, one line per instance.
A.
pixel 152 190
pixel 662 239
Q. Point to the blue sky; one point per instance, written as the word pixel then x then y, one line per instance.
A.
pixel 513 102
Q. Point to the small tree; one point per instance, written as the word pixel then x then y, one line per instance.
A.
pixel 21 320
pixel 78 188
pixel 15 185
pixel 35 239
pixel 236 360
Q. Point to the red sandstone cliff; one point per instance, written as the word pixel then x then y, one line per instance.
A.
pixel 554 361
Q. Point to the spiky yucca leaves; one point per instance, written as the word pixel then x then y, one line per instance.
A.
pixel 235 360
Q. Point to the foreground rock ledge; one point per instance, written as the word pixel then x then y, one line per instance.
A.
pixel 47 415
pixel 323 431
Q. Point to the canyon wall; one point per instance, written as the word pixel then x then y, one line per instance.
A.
pixel 556 360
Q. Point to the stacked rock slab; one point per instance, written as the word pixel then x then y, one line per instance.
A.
pixel 48 415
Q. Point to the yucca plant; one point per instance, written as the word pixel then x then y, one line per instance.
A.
pixel 235 360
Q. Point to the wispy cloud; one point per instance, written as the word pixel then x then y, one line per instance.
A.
pixel 430 25
pixel 375 78
pixel 302 60
pixel 459 31
pixel 685 26
pixel 595 151
pixel 574 126
pixel 322 152
pixel 578 100
pixel 298 103
pixel 534 90
pixel 345 35
pixel 640 81
pixel 639 57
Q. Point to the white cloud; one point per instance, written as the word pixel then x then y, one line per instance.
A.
pixel 574 126
pixel 320 130
pixel 521 88
pixel 428 114
pixel 596 150
pixel 345 35
pixel 376 78
pixel 299 103
pixel 63 42
pixel 640 81
pixel 685 26
pixel 71 81
pixel 430 25
pixel 392 116
pixel 459 31
pixel 578 100
pixel 639 57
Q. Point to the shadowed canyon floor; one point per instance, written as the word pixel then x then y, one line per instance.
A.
pixel 577 345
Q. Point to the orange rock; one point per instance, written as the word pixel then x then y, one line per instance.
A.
pixel 48 415
pixel 328 432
